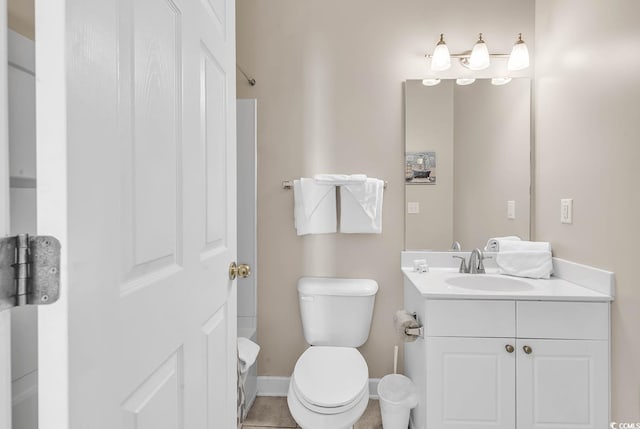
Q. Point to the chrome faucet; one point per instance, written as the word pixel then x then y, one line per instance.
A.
pixel 455 246
pixel 475 262
pixel 475 265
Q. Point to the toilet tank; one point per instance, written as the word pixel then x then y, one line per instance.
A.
pixel 336 312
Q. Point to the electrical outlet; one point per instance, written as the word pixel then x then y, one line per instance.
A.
pixel 413 207
pixel 566 210
pixel 511 209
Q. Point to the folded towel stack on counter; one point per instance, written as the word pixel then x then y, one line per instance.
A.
pixel 530 259
pixel 493 245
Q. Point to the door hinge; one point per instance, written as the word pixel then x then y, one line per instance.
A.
pixel 29 270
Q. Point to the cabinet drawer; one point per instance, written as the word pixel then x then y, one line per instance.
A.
pixel 470 318
pixel 563 320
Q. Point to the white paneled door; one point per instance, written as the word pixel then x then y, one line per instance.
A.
pixel 136 177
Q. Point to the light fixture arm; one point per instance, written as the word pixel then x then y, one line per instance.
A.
pixel 463 57
pixel 467 54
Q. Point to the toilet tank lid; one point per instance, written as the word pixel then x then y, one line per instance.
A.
pixel 330 286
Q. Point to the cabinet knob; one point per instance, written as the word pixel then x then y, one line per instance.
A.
pixel 527 349
pixel 509 348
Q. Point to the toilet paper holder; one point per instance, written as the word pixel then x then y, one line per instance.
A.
pixel 415 332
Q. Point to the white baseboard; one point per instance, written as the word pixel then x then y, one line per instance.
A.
pixel 279 386
pixel 273 386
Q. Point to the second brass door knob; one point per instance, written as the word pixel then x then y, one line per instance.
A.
pixel 242 270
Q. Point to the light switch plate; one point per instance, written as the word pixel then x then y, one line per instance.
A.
pixel 566 210
pixel 511 209
pixel 413 207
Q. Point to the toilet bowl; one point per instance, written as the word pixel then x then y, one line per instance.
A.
pixel 329 387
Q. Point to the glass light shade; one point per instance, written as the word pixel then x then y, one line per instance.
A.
pixel 465 81
pixel 500 81
pixel 519 58
pixel 441 59
pixel 430 82
pixel 479 59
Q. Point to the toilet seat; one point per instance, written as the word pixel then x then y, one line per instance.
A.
pixel 330 380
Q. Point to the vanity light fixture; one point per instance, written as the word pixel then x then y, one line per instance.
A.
pixel 430 82
pixel 465 81
pixel 441 59
pixel 519 58
pixel 500 81
pixel 479 57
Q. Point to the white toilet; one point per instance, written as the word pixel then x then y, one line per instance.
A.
pixel 329 388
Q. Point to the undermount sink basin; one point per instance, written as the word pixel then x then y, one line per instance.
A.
pixel 488 283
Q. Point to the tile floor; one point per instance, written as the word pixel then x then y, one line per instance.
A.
pixel 269 412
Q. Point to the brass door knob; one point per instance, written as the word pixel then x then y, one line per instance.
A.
pixel 527 349
pixel 242 270
pixel 233 271
pixel 509 348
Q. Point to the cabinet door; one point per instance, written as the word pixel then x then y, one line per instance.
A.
pixel 470 383
pixel 562 383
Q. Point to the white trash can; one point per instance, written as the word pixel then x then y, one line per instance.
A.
pixel 398 396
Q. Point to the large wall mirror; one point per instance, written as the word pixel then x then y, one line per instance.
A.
pixel 468 154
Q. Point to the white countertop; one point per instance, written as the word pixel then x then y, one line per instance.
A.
pixel 433 285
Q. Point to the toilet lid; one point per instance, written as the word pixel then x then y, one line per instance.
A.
pixel 330 377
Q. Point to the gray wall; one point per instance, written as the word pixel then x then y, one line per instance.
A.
pixel 587 133
pixel 330 79
pixel 429 119
pixel 491 161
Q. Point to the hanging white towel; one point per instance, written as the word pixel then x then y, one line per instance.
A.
pixel 493 245
pixel 361 207
pixel 247 353
pixel 339 179
pixel 314 207
pixel 525 259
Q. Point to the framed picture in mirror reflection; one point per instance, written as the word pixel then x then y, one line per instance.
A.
pixel 420 168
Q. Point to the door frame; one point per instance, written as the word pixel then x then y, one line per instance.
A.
pixel 5 316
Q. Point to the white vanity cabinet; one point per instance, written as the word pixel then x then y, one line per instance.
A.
pixel 509 363
pixel 562 364
pixel 470 382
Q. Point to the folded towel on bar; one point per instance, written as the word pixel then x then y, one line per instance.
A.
pixel 530 259
pixel 339 179
pixel 493 245
pixel 314 207
pixel 361 207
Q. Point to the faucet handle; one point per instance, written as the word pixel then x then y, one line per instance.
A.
pixel 463 264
